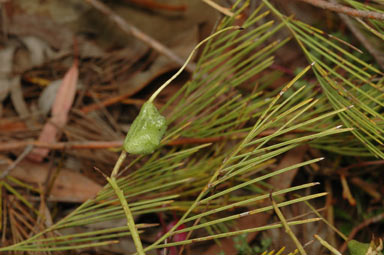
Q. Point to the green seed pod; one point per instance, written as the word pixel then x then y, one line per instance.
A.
pixel 373 248
pixel 357 248
pixel 146 131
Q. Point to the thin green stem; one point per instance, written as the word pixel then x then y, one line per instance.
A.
pixel 118 164
pixel 154 95
pixel 327 245
pixel 287 228
pixel 128 214
pixel 124 204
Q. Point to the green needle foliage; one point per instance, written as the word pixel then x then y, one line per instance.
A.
pixel 202 183
pixel 358 86
pixel 376 27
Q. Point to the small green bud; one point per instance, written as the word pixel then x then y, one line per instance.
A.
pixel 146 131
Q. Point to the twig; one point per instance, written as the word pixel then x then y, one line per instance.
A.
pixel 286 226
pixel 368 188
pixel 105 144
pixel 25 153
pixel 107 115
pixel 7 146
pixel 219 8
pixel 360 165
pixel 130 29
pixel 155 5
pixel 363 40
pixel 124 204
pixel 346 191
pixel 111 101
pixel 345 9
pixel 61 145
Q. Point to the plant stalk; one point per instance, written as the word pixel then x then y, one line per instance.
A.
pixel 119 161
pixel 128 214
pixel 287 228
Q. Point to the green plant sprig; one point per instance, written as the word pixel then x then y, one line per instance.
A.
pixel 144 137
pixel 346 80
pixel 176 176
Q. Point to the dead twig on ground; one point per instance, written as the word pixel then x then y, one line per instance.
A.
pixel 129 29
pixel 360 165
pixel 345 9
pixel 219 8
pixel 25 153
pixel 7 146
pixel 160 6
pixel 61 145
pixel 377 55
pixel 112 100
pixel 99 144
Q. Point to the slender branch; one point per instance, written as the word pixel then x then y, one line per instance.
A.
pixel 131 30
pixel 25 153
pixel 7 146
pixel 219 8
pixel 160 6
pixel 345 9
pixel 112 100
pixel 378 55
pixel 368 188
pixel 360 165
pixel 13 145
pixel 347 194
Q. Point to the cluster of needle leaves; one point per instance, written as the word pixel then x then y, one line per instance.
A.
pixel 201 183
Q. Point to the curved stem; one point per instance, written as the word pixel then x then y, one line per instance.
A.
pixel 154 95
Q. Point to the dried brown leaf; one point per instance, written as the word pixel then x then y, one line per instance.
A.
pixel 63 102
